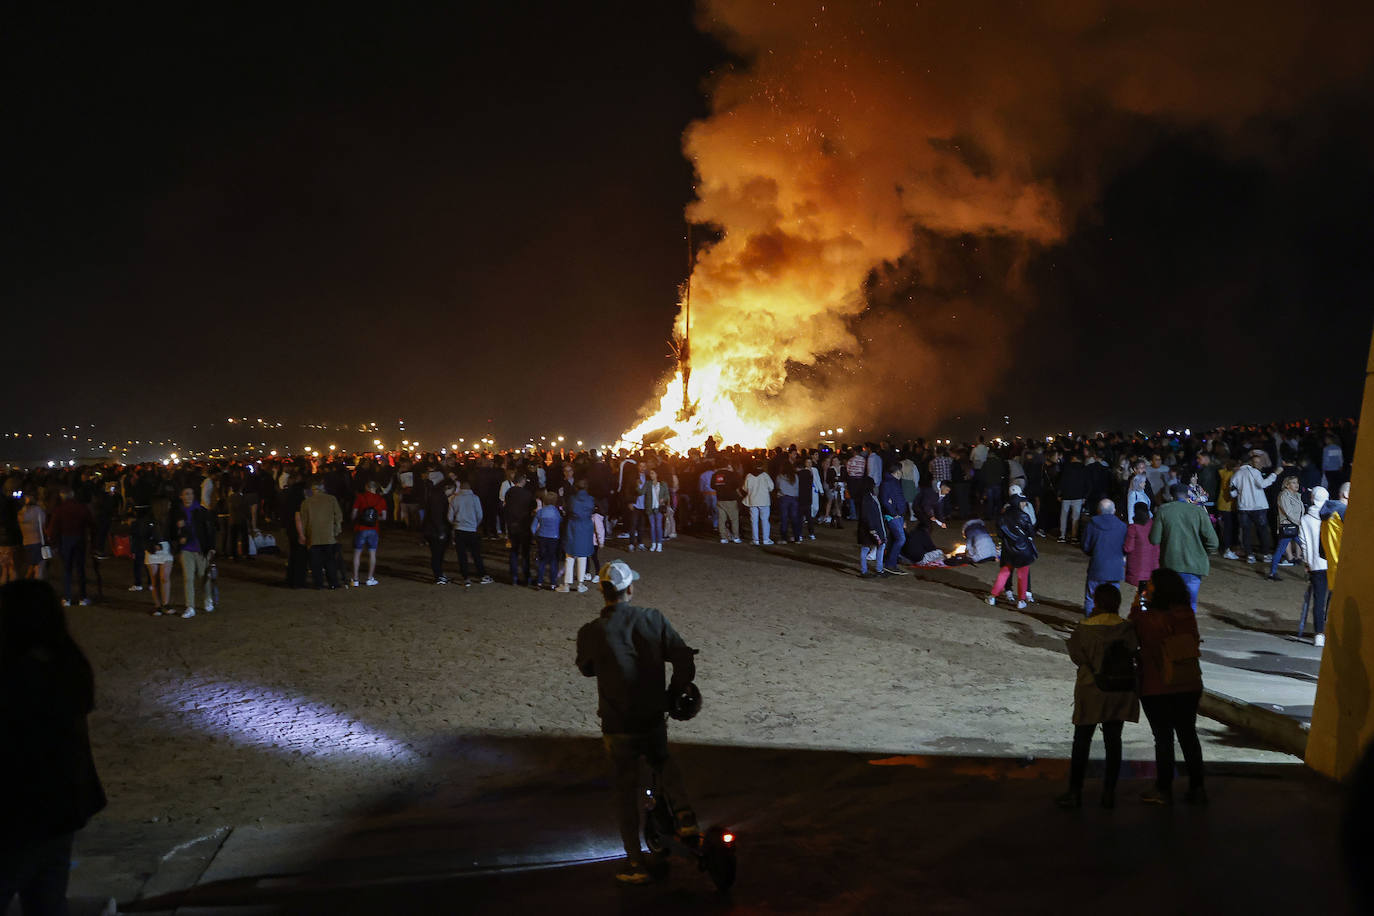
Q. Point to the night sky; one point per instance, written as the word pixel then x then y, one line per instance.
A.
pixel 475 221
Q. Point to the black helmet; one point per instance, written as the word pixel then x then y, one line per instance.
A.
pixel 684 701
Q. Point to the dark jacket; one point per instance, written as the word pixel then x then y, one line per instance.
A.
pixel 518 510
pixel 47 774
pixel 202 525
pixel 10 533
pixel 1104 539
pixel 1073 481
pixel 1157 674
pixel 1018 537
pixel 891 497
pixel 870 513
pixel 625 649
pixel 436 524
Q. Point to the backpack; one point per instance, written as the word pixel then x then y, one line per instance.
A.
pixel 1118 672
pixel 368 516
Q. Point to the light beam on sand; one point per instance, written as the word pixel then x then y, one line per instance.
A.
pixel 260 717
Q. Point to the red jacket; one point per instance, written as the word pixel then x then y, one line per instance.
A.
pixel 1142 557
pixel 70 519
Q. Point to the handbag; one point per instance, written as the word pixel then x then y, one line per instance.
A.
pixel 1288 530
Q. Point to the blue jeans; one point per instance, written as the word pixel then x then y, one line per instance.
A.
pixel 1092 587
pixel 864 553
pixel 1193 582
pixel 708 498
pixel 896 537
pixel 1278 554
pixel 790 521
pixel 655 527
pixel 548 560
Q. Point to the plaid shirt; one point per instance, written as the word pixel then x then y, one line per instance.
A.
pixel 941 466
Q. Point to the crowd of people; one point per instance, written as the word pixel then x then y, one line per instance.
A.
pixel 1161 507
pixel 1262 493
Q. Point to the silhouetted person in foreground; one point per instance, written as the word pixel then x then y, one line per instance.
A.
pixel 1358 831
pixel 48 785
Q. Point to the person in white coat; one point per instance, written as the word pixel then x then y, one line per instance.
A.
pixel 1252 507
pixel 758 496
pixel 1309 536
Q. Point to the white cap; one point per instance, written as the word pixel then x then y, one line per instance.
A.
pixel 1015 490
pixel 619 574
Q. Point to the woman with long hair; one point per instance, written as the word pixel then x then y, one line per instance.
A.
pixel 33 523
pixel 654 492
pixel 1290 513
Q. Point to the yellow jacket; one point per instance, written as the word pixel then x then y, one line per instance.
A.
pixel 1332 527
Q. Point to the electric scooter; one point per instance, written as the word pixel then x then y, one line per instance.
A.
pixel 714 848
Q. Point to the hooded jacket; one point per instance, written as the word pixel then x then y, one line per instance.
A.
pixel 1310 532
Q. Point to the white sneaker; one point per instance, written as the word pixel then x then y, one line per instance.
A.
pixel 1267 558
pixel 588 577
pixel 1020 605
pixel 1250 559
pixel 1030 599
pixel 736 541
pixel 767 543
pixel 581 588
pixel 355 583
pixel 485 580
pixel 1285 563
pixel 1008 594
pixel 66 603
pixel 630 547
pixel 1319 640
pixel 811 536
pixel 991 600
pixel 135 588
pixel 85 602
pixel 188 613
pixel 725 540
pixel 373 582
pixel 209 607
pixel 1230 555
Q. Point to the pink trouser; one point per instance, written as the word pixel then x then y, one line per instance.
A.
pixel 1022 577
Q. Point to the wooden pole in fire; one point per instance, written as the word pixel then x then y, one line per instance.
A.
pixel 685 354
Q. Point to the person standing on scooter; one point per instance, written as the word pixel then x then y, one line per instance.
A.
pixel 625 649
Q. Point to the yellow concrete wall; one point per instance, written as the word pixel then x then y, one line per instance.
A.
pixel 1343 719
